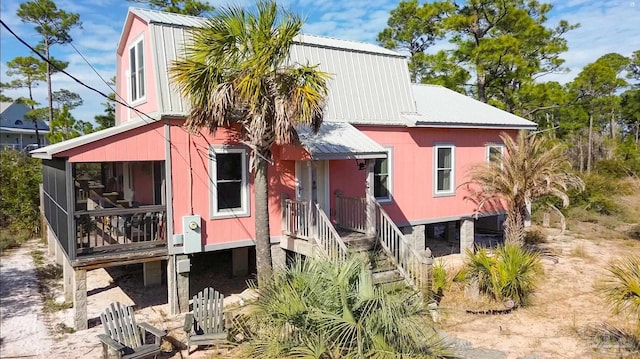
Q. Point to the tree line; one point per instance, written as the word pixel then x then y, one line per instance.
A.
pixel 54 26
pixel 499 52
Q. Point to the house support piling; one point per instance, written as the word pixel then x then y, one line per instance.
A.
pixel 68 278
pixel 278 256
pixel 240 261
pixel 152 273
pixel 178 268
pixel 80 299
pixel 466 234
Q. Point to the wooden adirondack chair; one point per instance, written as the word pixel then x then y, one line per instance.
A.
pixel 125 336
pixel 205 324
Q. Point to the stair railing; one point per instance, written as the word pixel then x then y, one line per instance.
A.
pixel 296 221
pixel 327 238
pixel 412 265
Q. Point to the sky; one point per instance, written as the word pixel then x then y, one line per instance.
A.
pixel 605 26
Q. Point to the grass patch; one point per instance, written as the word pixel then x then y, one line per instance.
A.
pixel 579 252
pixel 634 232
pixel 49 276
pixel 12 238
pixel 535 236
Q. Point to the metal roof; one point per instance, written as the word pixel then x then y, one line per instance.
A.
pixel 47 152
pixel 161 17
pixel 13 115
pixel 369 85
pixel 439 106
pixel 339 140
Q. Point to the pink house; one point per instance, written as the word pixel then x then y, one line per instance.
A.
pixel 388 162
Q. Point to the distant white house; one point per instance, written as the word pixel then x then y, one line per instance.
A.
pixel 16 131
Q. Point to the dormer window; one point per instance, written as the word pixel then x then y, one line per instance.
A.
pixel 19 123
pixel 136 71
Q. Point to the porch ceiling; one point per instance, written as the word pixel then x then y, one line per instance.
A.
pixel 339 140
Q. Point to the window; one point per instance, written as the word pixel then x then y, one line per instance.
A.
pixel 136 71
pixel 444 169
pixel 19 123
pixel 494 152
pixel 229 192
pixel 382 177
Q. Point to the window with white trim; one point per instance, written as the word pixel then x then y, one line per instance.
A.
pixel 382 172
pixel 230 188
pixel 444 163
pixel 494 152
pixel 136 71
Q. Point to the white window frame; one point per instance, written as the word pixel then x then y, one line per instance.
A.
pixel 245 205
pixel 488 147
pixel 140 68
pixel 452 190
pixel 389 159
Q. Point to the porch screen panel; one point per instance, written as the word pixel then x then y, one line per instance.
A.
pixel 55 199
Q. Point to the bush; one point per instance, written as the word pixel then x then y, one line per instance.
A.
pixel 598 193
pixel 19 191
pixel 510 274
pixel 440 281
pixel 621 287
pixel 12 238
pixel 634 232
pixel 322 309
pixel 535 236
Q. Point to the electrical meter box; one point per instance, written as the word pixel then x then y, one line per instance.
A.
pixel 192 234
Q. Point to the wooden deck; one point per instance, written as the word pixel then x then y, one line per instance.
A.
pixel 116 255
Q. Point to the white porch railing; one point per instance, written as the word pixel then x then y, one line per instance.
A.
pixel 300 222
pixel 296 219
pixel 410 263
pixel 327 237
pixel 351 213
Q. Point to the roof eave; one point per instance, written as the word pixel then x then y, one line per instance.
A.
pixel 475 125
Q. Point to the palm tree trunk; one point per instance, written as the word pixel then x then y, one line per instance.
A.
pixel 590 143
pixel 263 241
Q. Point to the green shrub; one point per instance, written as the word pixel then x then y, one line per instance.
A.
pixel 13 238
pixel 511 273
pixel 535 236
pixel 634 232
pixel 19 191
pixel 323 309
pixel 440 281
pixel 598 193
pixel 621 287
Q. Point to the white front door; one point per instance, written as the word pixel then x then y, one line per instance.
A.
pixel 303 183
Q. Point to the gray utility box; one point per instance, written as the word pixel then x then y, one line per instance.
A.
pixel 192 232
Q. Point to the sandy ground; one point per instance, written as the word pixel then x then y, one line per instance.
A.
pixel 565 306
pixel 23 326
pixel 554 326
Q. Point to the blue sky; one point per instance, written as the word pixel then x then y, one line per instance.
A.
pixel 606 26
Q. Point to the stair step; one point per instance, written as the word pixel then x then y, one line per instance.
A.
pixel 360 244
pixel 389 276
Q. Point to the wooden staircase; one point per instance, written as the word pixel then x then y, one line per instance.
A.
pixel 383 270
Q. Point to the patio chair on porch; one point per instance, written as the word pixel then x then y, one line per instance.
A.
pixel 205 324
pixel 125 336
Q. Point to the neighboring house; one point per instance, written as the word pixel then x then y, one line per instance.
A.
pixel 389 159
pixel 16 131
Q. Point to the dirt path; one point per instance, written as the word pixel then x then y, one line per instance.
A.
pixel 23 329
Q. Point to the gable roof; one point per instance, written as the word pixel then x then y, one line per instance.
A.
pixel 12 118
pixel 439 106
pixel 369 84
pixel 339 140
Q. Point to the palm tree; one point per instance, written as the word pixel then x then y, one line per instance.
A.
pixel 621 287
pixel 235 72
pixel 531 169
pixel 323 309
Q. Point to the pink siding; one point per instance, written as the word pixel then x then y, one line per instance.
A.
pixel 281 179
pixel 143 182
pixel 139 29
pixel 145 143
pixel 413 170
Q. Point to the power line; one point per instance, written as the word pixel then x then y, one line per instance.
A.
pixel 71 76
pixel 211 180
